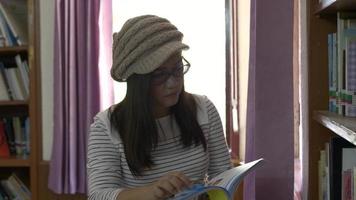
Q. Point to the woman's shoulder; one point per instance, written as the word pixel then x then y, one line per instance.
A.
pixel 202 104
pixel 102 121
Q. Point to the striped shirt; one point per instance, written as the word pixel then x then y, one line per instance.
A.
pixel 108 171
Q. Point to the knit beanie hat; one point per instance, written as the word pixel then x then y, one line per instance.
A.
pixel 143 44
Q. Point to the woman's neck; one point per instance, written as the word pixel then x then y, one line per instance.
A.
pixel 159 112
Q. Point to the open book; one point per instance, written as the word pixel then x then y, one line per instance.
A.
pixel 221 187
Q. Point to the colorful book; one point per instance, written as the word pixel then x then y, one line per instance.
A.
pixel 10 134
pixel 223 186
pixel 346 185
pixel 19 187
pixel 336 146
pixel 350 75
pixel 4 146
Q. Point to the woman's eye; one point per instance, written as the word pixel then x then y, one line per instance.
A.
pixel 158 74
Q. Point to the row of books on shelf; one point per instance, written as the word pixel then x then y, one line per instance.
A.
pixel 342 65
pixel 337 170
pixel 13 188
pixel 14 78
pixel 14 137
pixel 13 23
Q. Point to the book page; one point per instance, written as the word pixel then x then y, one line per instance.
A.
pixel 230 179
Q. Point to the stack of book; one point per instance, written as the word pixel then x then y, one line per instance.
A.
pixel 14 188
pixel 14 78
pixel 337 170
pixel 342 66
pixel 13 23
pixel 15 136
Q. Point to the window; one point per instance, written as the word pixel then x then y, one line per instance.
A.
pixel 204 32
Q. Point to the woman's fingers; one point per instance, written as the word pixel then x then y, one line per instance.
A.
pixel 170 184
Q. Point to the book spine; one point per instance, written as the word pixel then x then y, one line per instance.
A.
pixel 19 188
pixel 351 76
pixel 22 185
pixel 6 81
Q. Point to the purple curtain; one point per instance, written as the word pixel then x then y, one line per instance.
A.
pixel 269 131
pixel 76 91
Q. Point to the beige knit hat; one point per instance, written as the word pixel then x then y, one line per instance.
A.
pixel 142 45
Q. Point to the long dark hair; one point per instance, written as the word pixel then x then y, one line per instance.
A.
pixel 136 125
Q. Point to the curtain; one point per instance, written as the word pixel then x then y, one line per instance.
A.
pixel 76 91
pixel 269 122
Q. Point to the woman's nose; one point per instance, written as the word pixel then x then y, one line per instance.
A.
pixel 171 82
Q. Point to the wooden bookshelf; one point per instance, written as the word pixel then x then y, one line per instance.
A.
pixel 27 166
pixel 345 127
pixel 13 103
pixel 14 161
pixel 13 108
pixel 13 50
pixel 323 125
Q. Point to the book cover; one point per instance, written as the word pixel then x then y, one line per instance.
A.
pixel 24 188
pixel 323 193
pixel 223 186
pixel 350 76
pixel 336 146
pixel 346 185
pixel 18 135
pixel 4 146
pixel 27 136
pixel 354 183
pixel 3 90
pixel 20 190
pixel 340 52
pixel 15 14
pixel 6 81
pixel 335 73
pixel 9 131
pixel 9 37
pixel 23 73
pixel 14 84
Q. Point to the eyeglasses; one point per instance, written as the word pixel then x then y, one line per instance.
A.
pixel 159 77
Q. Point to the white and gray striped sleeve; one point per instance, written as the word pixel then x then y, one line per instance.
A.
pixel 219 157
pixel 103 164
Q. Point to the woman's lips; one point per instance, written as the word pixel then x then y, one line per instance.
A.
pixel 171 94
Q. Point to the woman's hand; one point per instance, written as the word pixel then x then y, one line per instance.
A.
pixel 165 187
pixel 169 185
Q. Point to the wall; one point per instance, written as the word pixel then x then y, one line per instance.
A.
pixel 46 40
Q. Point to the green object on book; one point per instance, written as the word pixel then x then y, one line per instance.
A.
pixel 217 195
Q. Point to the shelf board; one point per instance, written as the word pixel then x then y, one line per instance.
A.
pixel 13 50
pixel 14 161
pixel 333 6
pixel 13 103
pixel 14 108
pixel 345 127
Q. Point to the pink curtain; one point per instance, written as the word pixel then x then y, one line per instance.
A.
pixel 269 131
pixel 76 90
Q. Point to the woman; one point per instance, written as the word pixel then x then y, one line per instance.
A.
pixel 160 139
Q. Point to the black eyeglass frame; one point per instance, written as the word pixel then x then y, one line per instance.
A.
pixel 165 75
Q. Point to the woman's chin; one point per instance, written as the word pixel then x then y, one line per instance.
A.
pixel 170 100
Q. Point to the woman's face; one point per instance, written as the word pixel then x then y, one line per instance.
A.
pixel 166 85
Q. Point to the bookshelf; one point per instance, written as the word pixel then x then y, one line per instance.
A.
pixel 323 125
pixel 344 127
pixel 26 167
